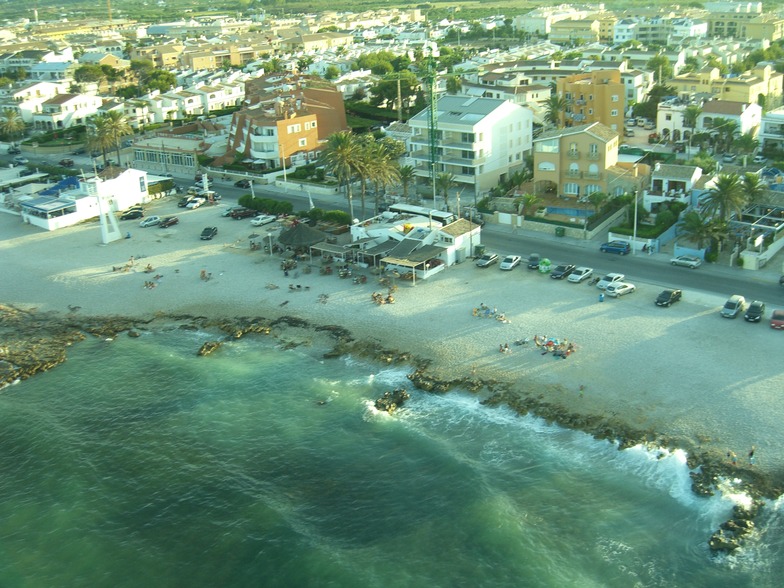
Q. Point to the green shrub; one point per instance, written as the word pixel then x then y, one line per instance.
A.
pixel 338 217
pixel 665 218
pixel 711 256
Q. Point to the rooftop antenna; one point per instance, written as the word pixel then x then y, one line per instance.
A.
pixel 109 6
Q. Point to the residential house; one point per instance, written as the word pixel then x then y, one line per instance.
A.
pixel 65 110
pixel 748 117
pixel 60 72
pixel 316 43
pixel 540 20
pixel 478 140
pixel 761 85
pixel 771 135
pixel 28 99
pixel 598 96
pixel 575 162
pixel 671 183
pixel 568 32
pixel 286 121
pixel 168 154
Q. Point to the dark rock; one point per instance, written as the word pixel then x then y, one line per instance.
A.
pixel 209 347
pixel 391 401
pixel 134 334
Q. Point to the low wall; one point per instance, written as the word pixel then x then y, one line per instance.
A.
pixel 535 226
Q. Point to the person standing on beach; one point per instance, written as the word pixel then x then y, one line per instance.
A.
pixel 751 455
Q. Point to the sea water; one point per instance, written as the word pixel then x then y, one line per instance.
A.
pixel 137 463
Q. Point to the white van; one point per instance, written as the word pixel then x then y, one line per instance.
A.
pixel 641 121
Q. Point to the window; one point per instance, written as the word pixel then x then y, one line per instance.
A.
pixel 667 117
pixel 303 142
pixel 594 149
pixel 571 188
pixel 614 112
pixel 466 171
pixel 294 129
pixel 467 137
pixel 546 166
pixel 574 169
pixel 614 97
pixel 547 146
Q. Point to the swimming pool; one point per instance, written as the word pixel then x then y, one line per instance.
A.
pixel 577 212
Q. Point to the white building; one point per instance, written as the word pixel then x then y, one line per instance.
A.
pixel 747 116
pixel 29 99
pixel 479 140
pixel 771 135
pixel 66 110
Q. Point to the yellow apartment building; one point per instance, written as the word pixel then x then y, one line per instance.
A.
pixel 748 87
pixel 598 96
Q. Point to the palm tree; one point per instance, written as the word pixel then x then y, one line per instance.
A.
pixel 12 125
pixel 444 182
pixel 407 173
pixel 690 116
pixel 555 107
pixel 117 126
pixel 597 199
pixel 98 137
pixel 726 198
pixel 696 228
pixel 753 187
pixel 382 167
pixel 746 144
pixel 530 202
pixel 341 158
pixel 726 129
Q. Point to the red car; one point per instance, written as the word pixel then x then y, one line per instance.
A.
pixel 777 320
pixel 169 221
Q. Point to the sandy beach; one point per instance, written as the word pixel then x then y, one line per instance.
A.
pixel 680 372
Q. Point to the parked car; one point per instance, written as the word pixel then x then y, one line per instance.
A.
pixel 561 271
pixel 184 201
pixel 263 219
pixel 21 160
pixel 728 157
pixel 618 289
pixel 150 221
pixel 169 221
pixel 26 172
pixel 195 203
pixel 208 233
pixel 66 162
pixel 688 261
pixel 243 213
pixel 733 307
pixel 777 319
pixel 533 261
pixel 755 311
pixel 610 278
pixel 510 262
pixel 14 150
pixel 668 297
pixel 619 247
pixel 628 132
pixel 132 214
pixel 242 184
pixel 580 274
pixel 230 209
pixel 487 260
pixel 79 151
pixel 759 159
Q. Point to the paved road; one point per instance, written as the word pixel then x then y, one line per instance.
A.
pixel 654 269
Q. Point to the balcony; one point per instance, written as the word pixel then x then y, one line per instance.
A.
pixel 593 155
pixel 573 154
pixel 572 174
pixel 593 175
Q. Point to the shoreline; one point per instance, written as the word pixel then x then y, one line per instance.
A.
pixel 54 333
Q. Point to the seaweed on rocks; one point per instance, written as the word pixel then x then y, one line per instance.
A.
pixel 391 401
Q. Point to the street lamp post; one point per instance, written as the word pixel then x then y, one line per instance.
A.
pixel 634 233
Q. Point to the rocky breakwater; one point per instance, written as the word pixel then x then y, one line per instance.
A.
pixel 391 401
pixel 34 342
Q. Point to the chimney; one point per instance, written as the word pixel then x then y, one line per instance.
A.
pixel 657 167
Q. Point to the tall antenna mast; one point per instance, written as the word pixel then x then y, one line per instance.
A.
pixel 109 6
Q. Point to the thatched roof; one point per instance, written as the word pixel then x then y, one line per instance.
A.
pixel 301 235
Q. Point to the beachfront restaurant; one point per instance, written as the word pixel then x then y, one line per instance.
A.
pixel 49 213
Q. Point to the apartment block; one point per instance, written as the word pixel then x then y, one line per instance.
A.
pixel 598 96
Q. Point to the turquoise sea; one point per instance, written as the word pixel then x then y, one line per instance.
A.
pixel 137 463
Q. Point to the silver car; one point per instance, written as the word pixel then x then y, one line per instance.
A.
pixel 509 262
pixel 688 261
pixel 579 274
pixel 609 279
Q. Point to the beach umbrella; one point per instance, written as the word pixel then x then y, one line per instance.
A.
pixel 301 235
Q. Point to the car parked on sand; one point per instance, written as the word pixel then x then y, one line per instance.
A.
pixel 580 274
pixel 562 271
pixel 668 297
pixel 487 260
pixel 533 261
pixel 610 278
pixel 733 307
pixel 184 201
pixel 66 162
pixel 688 261
pixel 150 221
pixel 619 289
pixel 755 311
pixel 263 219
pixel 195 203
pixel 21 160
pixel 14 150
pixel 230 209
pixel 619 247
pixel 169 221
pixel 759 159
pixel 132 214
pixel 208 233
pixel 509 262
pixel 777 320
